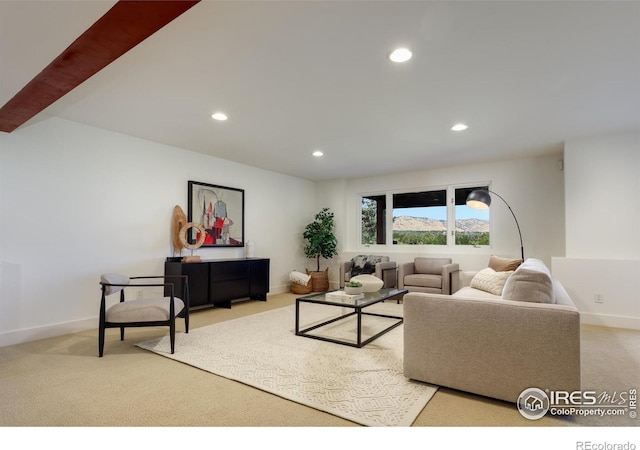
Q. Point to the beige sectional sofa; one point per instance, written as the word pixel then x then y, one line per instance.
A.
pixel 495 345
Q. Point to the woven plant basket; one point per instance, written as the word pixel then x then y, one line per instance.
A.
pixel 301 289
pixel 319 280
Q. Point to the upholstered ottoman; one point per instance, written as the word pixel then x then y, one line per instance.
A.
pixel 369 282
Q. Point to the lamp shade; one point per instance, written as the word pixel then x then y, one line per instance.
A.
pixel 479 199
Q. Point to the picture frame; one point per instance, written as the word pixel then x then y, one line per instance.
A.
pixel 220 210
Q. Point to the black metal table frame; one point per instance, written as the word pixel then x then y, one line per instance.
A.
pixel 357 311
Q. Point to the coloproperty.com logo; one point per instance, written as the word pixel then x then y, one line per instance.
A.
pixel 534 403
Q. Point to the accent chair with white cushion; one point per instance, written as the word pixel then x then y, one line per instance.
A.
pixel 433 275
pixel 378 266
pixel 142 312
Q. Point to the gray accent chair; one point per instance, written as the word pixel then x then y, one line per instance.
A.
pixel 431 275
pixel 378 266
pixel 142 312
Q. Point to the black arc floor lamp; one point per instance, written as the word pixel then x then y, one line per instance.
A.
pixel 480 199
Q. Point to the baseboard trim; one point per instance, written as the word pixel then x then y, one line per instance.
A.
pixel 608 320
pixel 283 288
pixel 59 329
pixel 47 331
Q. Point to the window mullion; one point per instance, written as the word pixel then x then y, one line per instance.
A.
pixel 389 221
pixel 451 217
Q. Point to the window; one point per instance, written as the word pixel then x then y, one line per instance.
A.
pixel 374 211
pixel 472 225
pixel 427 217
pixel 420 218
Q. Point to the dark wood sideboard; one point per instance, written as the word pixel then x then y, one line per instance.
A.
pixel 216 282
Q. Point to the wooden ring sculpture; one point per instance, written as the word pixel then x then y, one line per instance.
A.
pixel 183 235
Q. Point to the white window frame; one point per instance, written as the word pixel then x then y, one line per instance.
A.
pixel 451 241
pixel 451 217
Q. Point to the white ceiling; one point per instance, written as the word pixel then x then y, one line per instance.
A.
pixel 295 76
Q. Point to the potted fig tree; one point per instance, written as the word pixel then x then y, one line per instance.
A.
pixel 320 243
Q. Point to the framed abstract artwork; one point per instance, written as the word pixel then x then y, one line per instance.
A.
pixel 220 210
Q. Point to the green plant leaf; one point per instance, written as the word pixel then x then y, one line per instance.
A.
pixel 321 242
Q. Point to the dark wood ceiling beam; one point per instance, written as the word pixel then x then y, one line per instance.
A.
pixel 120 29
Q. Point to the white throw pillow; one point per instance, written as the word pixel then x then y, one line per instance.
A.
pixel 489 280
pixel 531 282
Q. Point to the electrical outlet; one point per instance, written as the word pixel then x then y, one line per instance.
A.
pixel 139 294
pixel 598 298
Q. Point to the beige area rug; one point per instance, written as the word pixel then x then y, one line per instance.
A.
pixel 364 385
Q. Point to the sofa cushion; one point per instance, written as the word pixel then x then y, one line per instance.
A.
pixel 423 280
pixel 489 280
pixel 503 264
pixel 366 264
pixel 144 310
pixel 468 292
pixel 531 282
pixel 431 266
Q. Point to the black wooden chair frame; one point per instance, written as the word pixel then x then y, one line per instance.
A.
pixel 171 322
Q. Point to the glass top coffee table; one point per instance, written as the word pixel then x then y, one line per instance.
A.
pixel 349 308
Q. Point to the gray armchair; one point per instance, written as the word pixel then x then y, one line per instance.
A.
pixel 378 266
pixel 432 275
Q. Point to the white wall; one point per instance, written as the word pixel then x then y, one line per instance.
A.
pixel 613 281
pixel 534 187
pixel 602 181
pixel 602 178
pixel 78 201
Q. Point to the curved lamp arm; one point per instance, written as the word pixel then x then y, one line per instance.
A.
pixel 482 196
pixel 517 224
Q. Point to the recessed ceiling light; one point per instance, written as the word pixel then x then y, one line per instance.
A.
pixel 317 153
pixel 400 55
pixel 459 127
pixel 219 116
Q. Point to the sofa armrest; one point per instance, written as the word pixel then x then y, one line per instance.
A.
pixel 466 276
pixel 450 278
pixel 386 265
pixel 345 272
pixel 387 271
pixel 403 270
pixel 496 348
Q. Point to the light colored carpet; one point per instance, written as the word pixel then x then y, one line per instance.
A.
pixel 61 382
pixel 364 385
